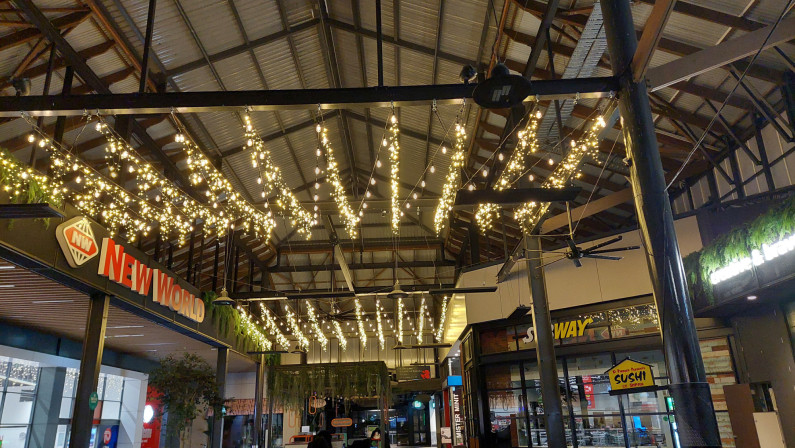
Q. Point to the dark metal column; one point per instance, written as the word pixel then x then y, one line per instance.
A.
pixel 258 386
pixel 218 420
pixel 90 362
pixel 269 381
pixel 547 363
pixel 695 416
pixel 150 27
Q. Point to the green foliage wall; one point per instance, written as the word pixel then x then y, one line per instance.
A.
pixel 772 226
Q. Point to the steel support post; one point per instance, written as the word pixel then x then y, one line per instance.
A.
pixel 695 416
pixel 269 381
pixel 220 375
pixel 90 363
pixel 150 27
pixel 547 363
pixel 258 386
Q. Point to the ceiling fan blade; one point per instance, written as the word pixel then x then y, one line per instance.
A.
pixel 472 290
pixel 604 257
pixel 577 262
pixel 606 243
pixel 321 295
pixel 573 247
pixel 617 249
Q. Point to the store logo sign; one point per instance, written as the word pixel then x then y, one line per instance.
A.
pixel 77 241
pixel 126 270
pixel 756 258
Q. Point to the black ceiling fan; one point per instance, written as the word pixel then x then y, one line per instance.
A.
pixel 575 253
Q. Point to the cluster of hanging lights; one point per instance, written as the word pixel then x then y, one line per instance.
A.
pixel 452 181
pixel 349 216
pixel 394 171
pixel 529 213
pixel 270 177
pixel 487 214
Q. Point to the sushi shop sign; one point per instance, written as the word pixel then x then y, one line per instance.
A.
pixel 79 245
pixel 630 376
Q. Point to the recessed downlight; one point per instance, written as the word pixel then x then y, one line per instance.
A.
pixel 39 302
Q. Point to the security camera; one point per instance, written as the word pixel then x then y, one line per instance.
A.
pixel 468 74
pixel 21 85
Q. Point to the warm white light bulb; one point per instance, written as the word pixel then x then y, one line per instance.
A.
pixel 317 185
pixel 372 181
pixel 471 187
pixel 378 163
pixel 485 172
pixel 433 169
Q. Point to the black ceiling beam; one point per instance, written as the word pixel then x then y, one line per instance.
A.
pixel 362 266
pixel 324 293
pixel 106 103
pixel 515 196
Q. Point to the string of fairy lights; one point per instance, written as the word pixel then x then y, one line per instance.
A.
pixel 272 181
pixel 155 203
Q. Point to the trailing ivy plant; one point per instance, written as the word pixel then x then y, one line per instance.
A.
pixel 349 381
pixel 187 388
pixel 772 226
pixel 24 185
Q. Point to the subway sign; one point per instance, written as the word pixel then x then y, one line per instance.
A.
pixel 79 245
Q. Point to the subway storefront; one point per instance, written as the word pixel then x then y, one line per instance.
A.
pixel 503 406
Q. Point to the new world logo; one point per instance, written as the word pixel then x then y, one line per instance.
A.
pixel 77 241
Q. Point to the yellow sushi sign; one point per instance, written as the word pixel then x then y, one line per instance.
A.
pixel 630 376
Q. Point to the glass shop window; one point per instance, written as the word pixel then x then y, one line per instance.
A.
pixel 466 353
pixel 502 376
pixel 111 394
pixel 633 321
pixel 68 400
pixel 19 379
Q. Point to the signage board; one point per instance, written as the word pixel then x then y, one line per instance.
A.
pixel 447 436
pixel 77 241
pixel 587 388
pixel 341 422
pixel 412 373
pixel 109 436
pixel 630 376
pixel 93 401
pixel 457 417
pixel 561 330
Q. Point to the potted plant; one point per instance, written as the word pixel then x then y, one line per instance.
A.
pixel 187 388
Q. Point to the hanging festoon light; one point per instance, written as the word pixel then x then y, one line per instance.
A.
pixel 273 327
pixel 349 216
pixel 394 170
pixel 151 184
pixel 270 177
pixel 453 180
pixel 487 214
pixel 421 321
pixel 295 329
pixel 360 323
pixel 442 319
pixel 221 193
pixel 113 206
pixel 401 311
pixel 315 325
pixel 253 331
pixel 343 341
pixel 588 146
pixel 379 324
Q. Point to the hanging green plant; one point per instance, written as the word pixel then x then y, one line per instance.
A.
pixel 348 381
pixel 772 226
pixel 23 185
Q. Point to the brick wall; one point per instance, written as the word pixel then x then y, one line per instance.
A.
pixel 720 372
